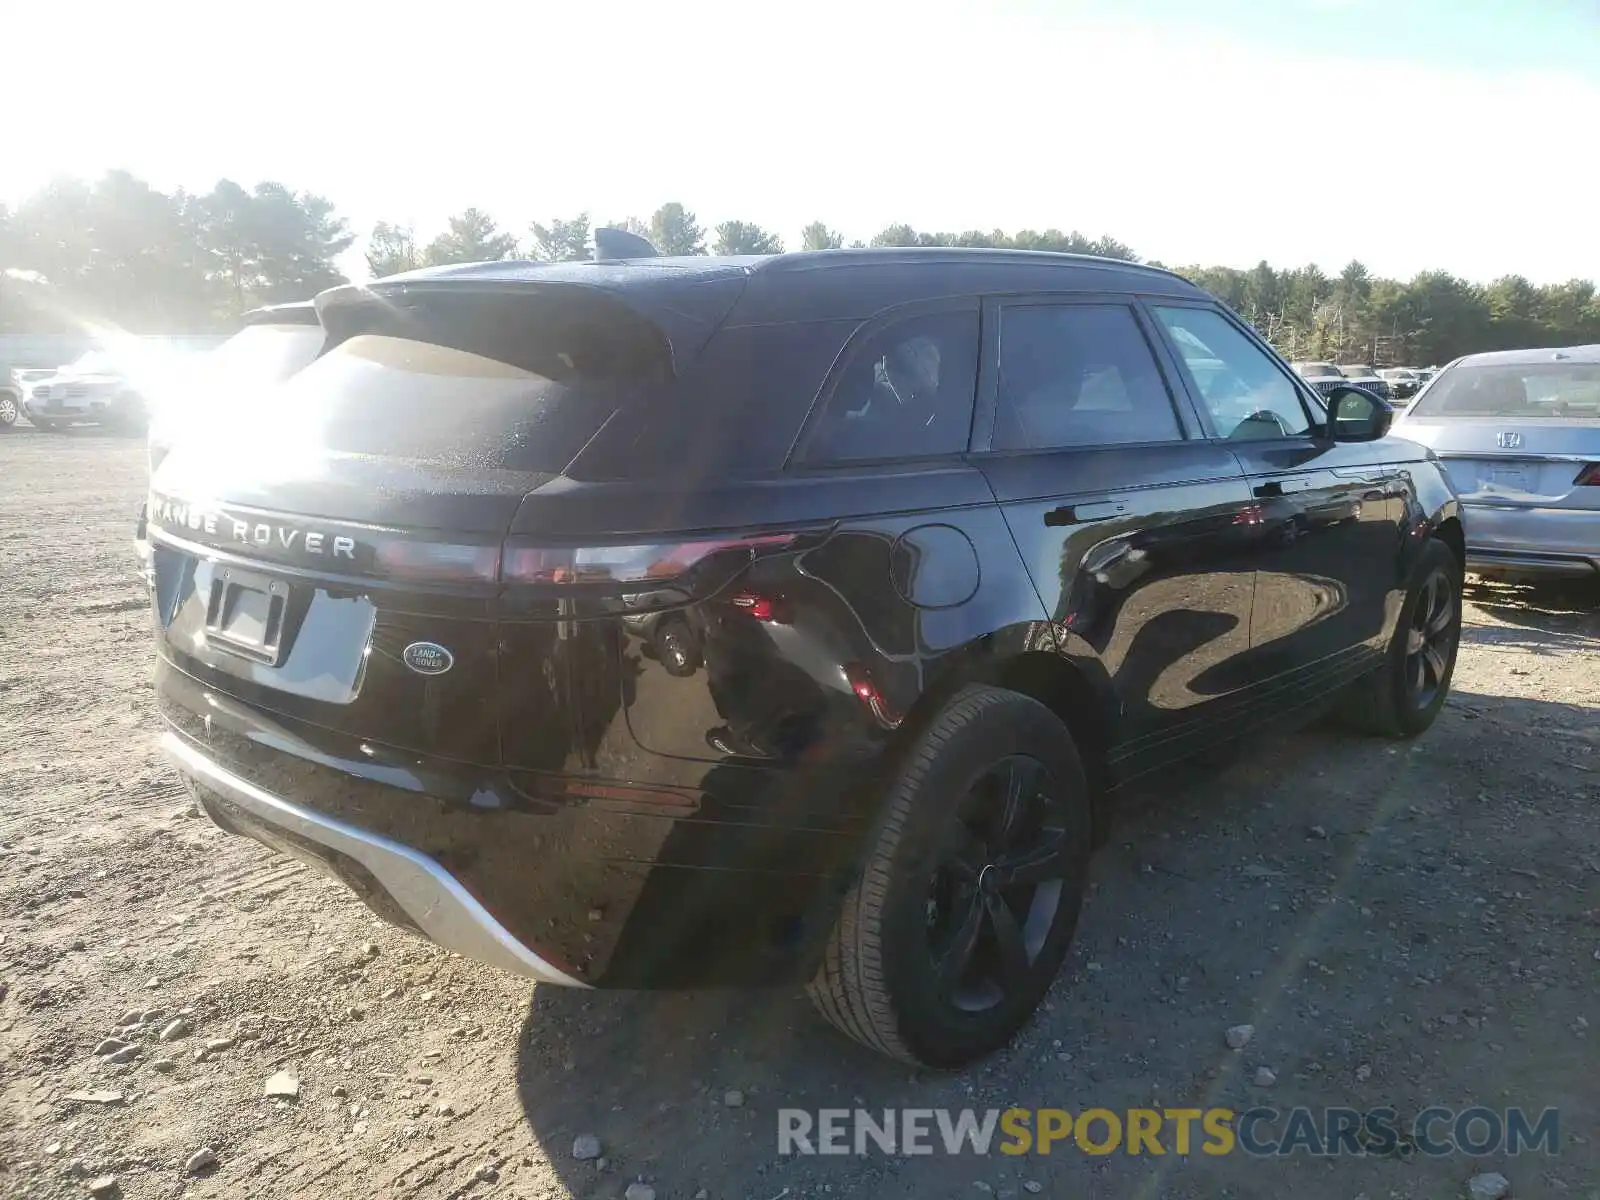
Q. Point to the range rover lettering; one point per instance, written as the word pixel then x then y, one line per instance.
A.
pixel 954 544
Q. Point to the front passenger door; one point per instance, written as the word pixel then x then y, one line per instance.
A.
pixel 1131 524
pixel 1329 521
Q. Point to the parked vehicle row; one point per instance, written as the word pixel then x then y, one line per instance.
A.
pixel 1395 384
pixel 742 621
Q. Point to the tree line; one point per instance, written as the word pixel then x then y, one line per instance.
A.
pixel 121 253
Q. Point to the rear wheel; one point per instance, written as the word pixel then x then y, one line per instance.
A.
pixel 8 410
pixel 1403 697
pixel 970 894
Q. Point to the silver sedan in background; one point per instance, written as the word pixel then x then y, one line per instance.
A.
pixel 1519 433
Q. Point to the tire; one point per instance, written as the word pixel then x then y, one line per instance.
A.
pixel 677 648
pixel 46 424
pixel 10 410
pixel 930 886
pixel 1403 697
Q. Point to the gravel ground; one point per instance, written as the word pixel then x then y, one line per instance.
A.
pixel 1403 926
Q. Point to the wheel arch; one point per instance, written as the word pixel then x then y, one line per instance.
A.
pixel 1450 532
pixel 1071 685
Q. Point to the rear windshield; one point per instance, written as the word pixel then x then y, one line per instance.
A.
pixel 492 382
pixel 1533 390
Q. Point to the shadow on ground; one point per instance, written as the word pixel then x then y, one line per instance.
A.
pixel 1344 895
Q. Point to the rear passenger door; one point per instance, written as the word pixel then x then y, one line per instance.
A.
pixel 1132 524
pixel 1328 512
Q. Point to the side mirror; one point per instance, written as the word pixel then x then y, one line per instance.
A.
pixel 1356 415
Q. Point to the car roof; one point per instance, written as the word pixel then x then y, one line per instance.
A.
pixel 1585 355
pixel 823 284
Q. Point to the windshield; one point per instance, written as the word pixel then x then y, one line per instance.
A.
pixel 1317 370
pixel 1356 371
pixel 267 353
pixel 1519 391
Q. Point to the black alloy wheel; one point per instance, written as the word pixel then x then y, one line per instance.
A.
pixel 1431 639
pixel 996 891
pixel 1404 695
pixel 967 899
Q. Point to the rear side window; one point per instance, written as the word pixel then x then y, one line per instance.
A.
pixel 906 392
pixel 1078 375
pixel 485 382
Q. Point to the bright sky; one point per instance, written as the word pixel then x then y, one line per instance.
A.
pixel 1414 134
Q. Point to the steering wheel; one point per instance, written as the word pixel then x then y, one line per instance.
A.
pixel 1261 415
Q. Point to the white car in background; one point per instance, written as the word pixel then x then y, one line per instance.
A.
pixel 93 389
pixel 12 392
pixel 1403 381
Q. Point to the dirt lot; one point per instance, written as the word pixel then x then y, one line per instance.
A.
pixel 1402 926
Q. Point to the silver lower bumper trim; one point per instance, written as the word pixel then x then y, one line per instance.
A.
pixel 444 910
pixel 1542 564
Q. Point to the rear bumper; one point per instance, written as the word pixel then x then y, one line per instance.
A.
pixel 428 896
pixel 676 875
pixel 1526 540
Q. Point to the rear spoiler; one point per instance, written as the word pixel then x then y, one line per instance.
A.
pixel 298 312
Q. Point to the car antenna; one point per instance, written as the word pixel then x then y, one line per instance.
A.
pixel 611 243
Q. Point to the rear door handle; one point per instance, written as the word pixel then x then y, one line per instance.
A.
pixel 1282 487
pixel 1076 514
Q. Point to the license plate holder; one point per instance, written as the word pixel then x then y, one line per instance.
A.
pixel 1504 479
pixel 245 614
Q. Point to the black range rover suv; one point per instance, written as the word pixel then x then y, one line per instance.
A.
pixel 962 541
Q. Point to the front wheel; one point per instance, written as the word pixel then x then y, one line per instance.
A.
pixel 1402 698
pixel 8 410
pixel 970 893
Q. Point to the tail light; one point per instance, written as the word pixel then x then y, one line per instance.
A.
pixel 632 564
pixel 1589 476
pixel 435 562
